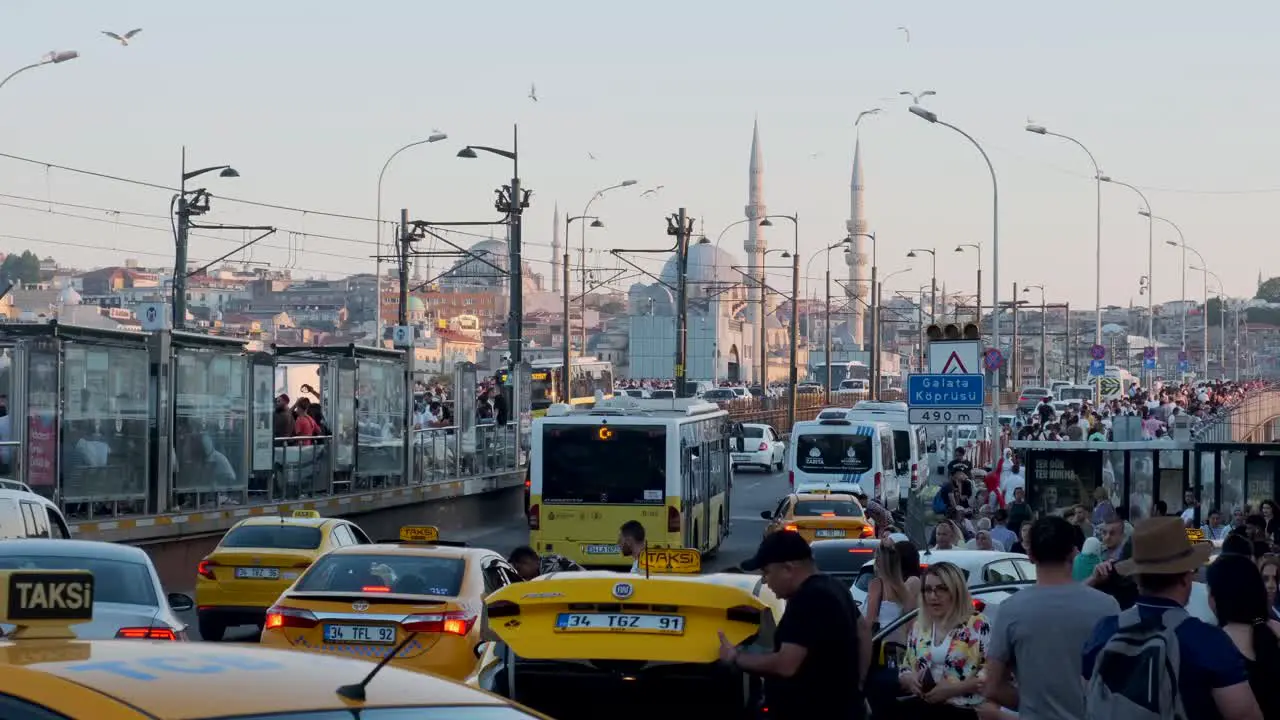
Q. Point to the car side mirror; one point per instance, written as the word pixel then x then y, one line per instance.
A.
pixel 766 515
pixel 481 648
pixel 179 602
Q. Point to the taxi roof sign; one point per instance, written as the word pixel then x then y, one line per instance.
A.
pixel 419 534
pixel 672 561
pixel 45 604
pixel 306 513
pixel 1195 534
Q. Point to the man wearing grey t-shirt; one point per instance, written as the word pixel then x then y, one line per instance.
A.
pixel 1040 632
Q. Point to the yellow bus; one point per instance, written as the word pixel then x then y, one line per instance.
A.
pixel 664 463
pixel 586 376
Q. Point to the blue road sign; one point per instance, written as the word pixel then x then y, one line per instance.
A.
pixel 945 391
pixel 1148 363
pixel 1097 368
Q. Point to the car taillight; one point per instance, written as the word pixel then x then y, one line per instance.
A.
pixel 280 616
pixel 791 528
pixel 915 475
pixel 763 447
pixel 528 484
pixel 877 485
pixel 146 633
pixel 375 589
pixel 535 517
pixel 868 531
pixel 673 519
pixel 791 477
pixel 449 623
pixel 205 569
pixel 978 605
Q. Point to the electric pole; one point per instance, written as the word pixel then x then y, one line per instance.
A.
pixel 680 225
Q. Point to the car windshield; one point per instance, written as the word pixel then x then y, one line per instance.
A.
pixel 752 432
pixel 840 557
pixel 827 508
pixel 580 464
pixel 114 581
pixel 396 573
pixel 662 394
pixel 1071 393
pixel 282 536
pixel 433 712
pixel 830 453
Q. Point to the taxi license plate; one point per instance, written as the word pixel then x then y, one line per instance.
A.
pixel 258 573
pixel 360 634
pixel 620 623
pixel 829 533
pixel 741 457
pixel 600 550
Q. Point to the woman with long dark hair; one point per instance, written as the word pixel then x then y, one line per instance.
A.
pixel 1238 598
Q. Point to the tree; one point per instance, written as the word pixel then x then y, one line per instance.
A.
pixel 23 268
pixel 1269 290
pixel 1213 309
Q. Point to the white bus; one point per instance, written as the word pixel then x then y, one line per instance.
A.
pixel 664 463
pixel 586 376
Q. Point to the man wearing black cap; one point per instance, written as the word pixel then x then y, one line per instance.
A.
pixel 821 643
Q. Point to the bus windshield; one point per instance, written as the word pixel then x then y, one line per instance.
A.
pixel 542 388
pixel 603 464
pixel 834 453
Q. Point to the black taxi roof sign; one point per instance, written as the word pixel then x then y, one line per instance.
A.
pixel 44 603
pixel 306 513
pixel 419 534
pixel 671 561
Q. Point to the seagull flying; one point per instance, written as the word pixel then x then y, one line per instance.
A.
pixel 906 32
pixel 652 191
pixel 123 39
pixel 814 156
pixel 533 92
pixel 591 155
pixel 915 97
pixel 864 113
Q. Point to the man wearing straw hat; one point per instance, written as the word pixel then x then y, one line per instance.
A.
pixel 1197 670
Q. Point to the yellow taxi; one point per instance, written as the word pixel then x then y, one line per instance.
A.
pixel 365 601
pixel 49 675
pixel 565 641
pixel 820 516
pixel 259 558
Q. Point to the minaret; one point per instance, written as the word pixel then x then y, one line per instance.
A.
pixel 860 259
pixel 556 253
pixel 755 210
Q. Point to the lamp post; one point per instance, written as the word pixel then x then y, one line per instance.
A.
pixel 1182 243
pixel 1151 266
pixel 794 379
pixel 196 204
pixel 826 356
pixel 932 117
pixel 512 200
pixel 1222 332
pixel 764 338
pixel 377 226
pixel 1044 321
pixel 1205 359
pixel 566 356
pixel 53 58
pixel 582 255
pixel 874 354
pixel 1097 174
pixel 977 247
pixel 933 279
pixel 877 291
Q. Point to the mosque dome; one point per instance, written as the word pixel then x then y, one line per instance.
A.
pixel 416 305
pixel 708 265
pixel 471 272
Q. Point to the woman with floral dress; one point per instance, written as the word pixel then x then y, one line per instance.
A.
pixel 946 649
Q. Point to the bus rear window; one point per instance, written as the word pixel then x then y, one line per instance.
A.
pixel 835 453
pixel 603 464
pixel 283 537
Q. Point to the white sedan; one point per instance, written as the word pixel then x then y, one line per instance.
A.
pixel 760 445
pixel 980 567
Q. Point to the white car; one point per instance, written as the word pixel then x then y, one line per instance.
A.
pixel 980 567
pixel 741 392
pixel 760 446
pixel 853 387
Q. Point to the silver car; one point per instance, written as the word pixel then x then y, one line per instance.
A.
pixel 128 601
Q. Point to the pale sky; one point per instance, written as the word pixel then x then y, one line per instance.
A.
pixel 307 99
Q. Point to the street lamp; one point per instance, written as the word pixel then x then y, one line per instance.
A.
pixel 52 58
pixel 512 200
pixel 1044 322
pixel 845 243
pixel 1222 350
pixel 197 204
pixel 794 380
pixel 874 355
pixel 566 357
pixel 933 278
pixel 976 247
pixel 377 226
pixel 932 117
pixel 1151 266
pixel 1182 243
pixel 582 255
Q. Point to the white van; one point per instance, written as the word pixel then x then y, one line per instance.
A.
pixel 841 455
pixel 910 446
pixel 26 514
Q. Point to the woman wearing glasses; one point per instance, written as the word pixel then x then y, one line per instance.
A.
pixel 946 649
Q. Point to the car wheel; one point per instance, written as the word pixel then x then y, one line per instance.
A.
pixel 778 466
pixel 211 630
